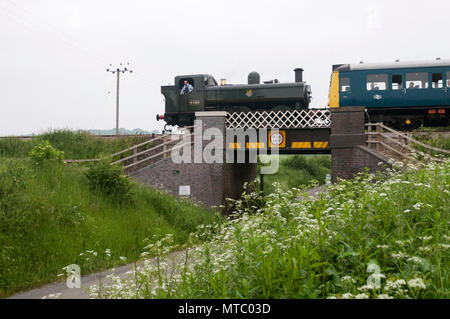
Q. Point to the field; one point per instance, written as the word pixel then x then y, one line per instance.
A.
pixel 376 236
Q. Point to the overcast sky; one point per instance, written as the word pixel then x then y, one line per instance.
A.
pixel 54 53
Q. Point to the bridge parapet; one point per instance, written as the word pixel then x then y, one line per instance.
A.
pixel 303 119
pixel 290 131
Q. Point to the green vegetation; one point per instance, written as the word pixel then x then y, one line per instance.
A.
pixel 376 236
pixel 439 142
pixel 110 180
pixel 298 170
pixel 75 145
pixel 52 214
pixel 45 152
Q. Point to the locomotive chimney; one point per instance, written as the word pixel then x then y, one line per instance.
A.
pixel 298 75
pixel 253 78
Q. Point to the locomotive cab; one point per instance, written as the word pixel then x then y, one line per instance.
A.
pixel 193 101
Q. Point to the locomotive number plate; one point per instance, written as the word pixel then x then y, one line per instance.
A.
pixel 194 102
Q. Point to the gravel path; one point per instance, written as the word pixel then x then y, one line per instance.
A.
pixel 314 192
pixel 60 287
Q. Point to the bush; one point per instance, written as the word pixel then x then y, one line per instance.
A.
pixel 296 162
pixel 109 180
pixel 46 152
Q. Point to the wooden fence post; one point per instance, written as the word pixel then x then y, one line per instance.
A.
pixel 135 151
pixel 379 136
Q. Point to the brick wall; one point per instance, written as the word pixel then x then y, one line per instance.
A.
pixel 169 176
pixel 211 183
pixel 349 155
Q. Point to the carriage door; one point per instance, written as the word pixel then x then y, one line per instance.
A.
pixel 397 92
pixel 345 91
pixel 417 89
pixel 438 88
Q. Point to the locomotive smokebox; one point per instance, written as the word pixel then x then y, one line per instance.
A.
pixel 298 75
pixel 254 78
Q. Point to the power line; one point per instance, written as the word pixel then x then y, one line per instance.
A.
pixel 108 94
pixel 64 45
pixel 53 30
pixel 49 29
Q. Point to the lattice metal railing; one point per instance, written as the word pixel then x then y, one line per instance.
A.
pixel 280 119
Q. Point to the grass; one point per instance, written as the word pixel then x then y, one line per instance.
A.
pixel 375 236
pixel 76 145
pixel 440 142
pixel 298 170
pixel 49 215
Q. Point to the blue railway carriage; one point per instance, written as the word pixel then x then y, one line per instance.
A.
pixel 404 95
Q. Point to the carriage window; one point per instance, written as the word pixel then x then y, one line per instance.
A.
pixel 345 84
pixel 438 81
pixel 448 79
pixel 377 82
pixel 397 82
pixel 417 80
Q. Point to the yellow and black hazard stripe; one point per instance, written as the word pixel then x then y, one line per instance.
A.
pixel 320 144
pixel 301 145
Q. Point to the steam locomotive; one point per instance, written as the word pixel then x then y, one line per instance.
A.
pixel 208 95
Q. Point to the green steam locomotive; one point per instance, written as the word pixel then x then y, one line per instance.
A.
pixel 201 92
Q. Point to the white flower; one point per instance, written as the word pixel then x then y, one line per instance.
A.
pixel 399 255
pixel 394 284
pixel 416 283
pixel 347 296
pixel 415 259
pixel 362 296
pixel 123 258
pixel 349 279
pixel 382 246
pixel 366 287
pixel 425 249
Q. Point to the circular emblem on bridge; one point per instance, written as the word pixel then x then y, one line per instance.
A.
pixel 276 139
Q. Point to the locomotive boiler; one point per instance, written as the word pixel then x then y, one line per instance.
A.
pixel 208 95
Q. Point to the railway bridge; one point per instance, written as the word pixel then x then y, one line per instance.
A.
pixel 219 154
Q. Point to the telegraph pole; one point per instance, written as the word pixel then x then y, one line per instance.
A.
pixel 118 70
